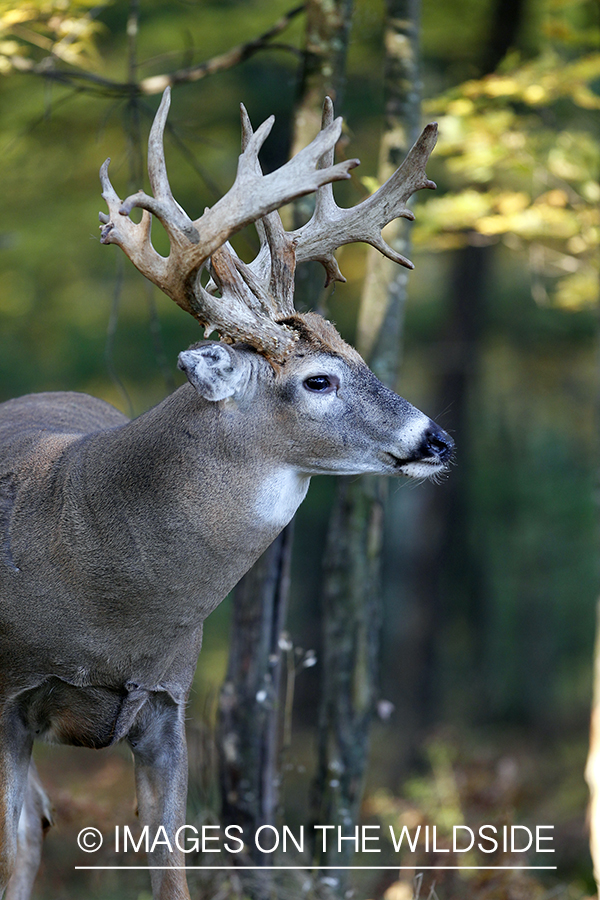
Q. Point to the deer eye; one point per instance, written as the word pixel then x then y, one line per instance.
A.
pixel 319 384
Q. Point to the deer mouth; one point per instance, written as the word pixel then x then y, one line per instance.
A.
pixel 399 462
pixel 431 456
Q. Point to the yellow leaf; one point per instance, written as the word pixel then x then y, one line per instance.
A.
pixel 556 198
pixel 493 225
pixel 500 87
pixel 585 98
pixel 399 890
pixel 577 244
pixel 534 94
pixel 370 183
pixel 461 107
pixel 512 202
pixel 578 291
pixel 15 16
pixel 591 191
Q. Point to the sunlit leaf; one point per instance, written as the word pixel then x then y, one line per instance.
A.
pixel 578 291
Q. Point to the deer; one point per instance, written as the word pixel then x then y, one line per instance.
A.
pixel 119 537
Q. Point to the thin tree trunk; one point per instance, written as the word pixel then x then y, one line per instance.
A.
pixel 328 25
pixel 248 731
pixel 324 65
pixel 449 582
pixel 448 577
pixel 351 601
pixel 249 719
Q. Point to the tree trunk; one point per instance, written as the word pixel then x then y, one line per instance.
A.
pixel 328 25
pixel 324 64
pixel 448 581
pixel 249 719
pixel 351 596
pixel 248 726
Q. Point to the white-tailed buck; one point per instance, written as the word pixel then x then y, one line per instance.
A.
pixel 119 537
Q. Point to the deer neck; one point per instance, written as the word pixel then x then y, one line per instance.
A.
pixel 176 500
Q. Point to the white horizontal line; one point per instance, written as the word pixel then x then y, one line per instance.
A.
pixel 314 868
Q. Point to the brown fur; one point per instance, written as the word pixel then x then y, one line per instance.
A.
pixel 321 336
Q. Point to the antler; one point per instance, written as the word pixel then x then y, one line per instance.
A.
pixel 252 196
pixel 247 302
pixel 331 227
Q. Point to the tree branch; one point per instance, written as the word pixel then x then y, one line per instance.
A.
pixel 156 84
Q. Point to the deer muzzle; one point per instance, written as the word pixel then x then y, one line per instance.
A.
pixel 430 456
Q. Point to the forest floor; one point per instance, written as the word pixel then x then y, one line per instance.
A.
pixel 500 779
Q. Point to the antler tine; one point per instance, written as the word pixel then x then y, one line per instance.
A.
pixel 133 238
pixel 330 226
pixel 325 205
pixel 253 195
pixel 157 168
pixel 243 312
pixel 258 275
pixel 261 264
pixel 275 263
pixel 163 205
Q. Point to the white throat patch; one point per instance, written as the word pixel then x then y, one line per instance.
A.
pixel 279 496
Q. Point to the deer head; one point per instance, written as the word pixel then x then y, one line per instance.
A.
pixel 251 304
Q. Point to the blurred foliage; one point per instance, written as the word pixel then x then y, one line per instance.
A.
pixel 523 161
pixel 470 782
pixel 517 167
pixel 64 30
pixel 57 295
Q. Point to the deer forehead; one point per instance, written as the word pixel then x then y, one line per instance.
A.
pixel 313 362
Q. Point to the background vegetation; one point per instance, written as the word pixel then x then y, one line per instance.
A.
pixel 491 577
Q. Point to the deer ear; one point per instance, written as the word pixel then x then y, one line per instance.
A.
pixel 215 370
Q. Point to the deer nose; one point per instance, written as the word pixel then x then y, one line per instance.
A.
pixel 436 443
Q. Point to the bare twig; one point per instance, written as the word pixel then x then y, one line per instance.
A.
pixel 155 84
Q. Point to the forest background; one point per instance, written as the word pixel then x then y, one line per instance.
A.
pixel 490 579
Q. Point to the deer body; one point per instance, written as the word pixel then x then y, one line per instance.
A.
pixel 118 538
pixel 121 537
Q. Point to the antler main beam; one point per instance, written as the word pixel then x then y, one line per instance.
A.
pixel 247 302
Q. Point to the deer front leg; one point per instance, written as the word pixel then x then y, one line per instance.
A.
pixel 157 739
pixel 15 753
pixel 35 820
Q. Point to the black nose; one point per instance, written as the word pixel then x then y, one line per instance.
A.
pixel 437 443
